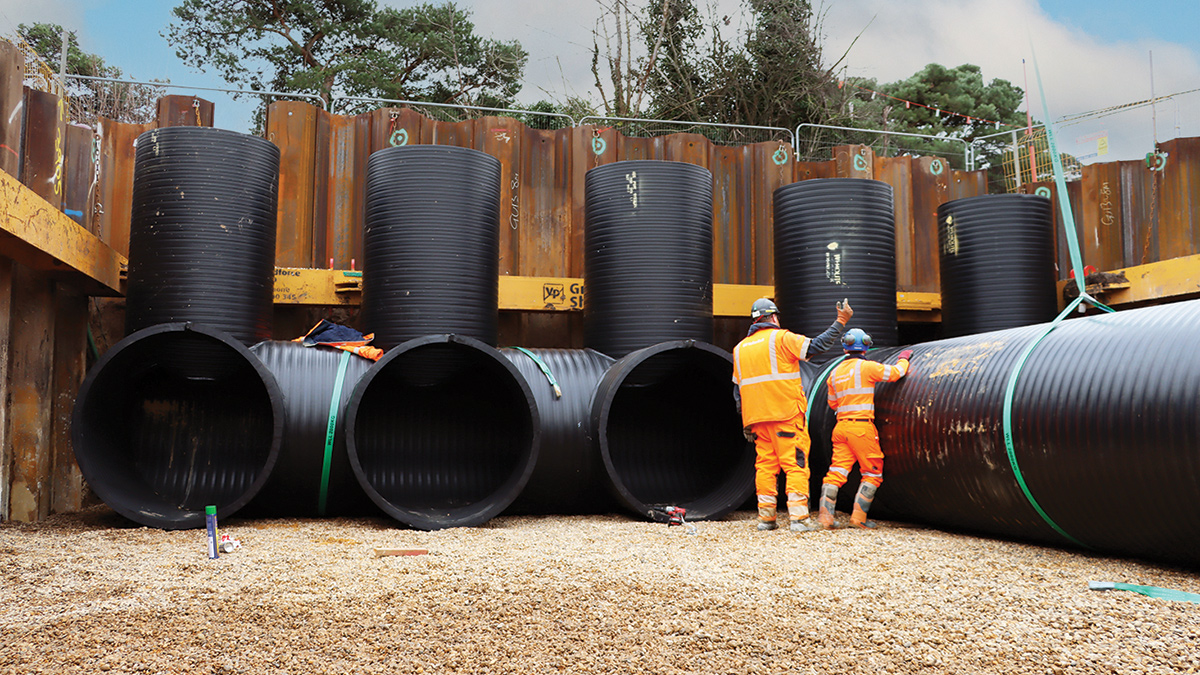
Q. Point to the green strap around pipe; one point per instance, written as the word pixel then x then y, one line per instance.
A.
pixel 1077 266
pixel 817 385
pixel 331 431
pixel 544 368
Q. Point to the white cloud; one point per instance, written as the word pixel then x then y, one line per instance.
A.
pixel 66 13
pixel 1079 73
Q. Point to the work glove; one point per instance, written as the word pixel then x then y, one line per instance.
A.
pixel 750 435
pixel 906 354
pixel 844 312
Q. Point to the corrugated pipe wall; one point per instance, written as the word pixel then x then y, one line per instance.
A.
pixel 179 414
pixel 1084 435
pixel 1104 423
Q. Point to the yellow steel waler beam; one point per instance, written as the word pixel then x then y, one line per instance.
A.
pixel 1156 282
pixel 42 238
pixel 299 286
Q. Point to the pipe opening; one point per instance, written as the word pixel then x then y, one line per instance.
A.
pixel 441 432
pixel 670 433
pixel 175 418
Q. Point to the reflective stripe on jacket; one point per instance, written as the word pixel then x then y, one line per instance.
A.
pixel 766 369
pixel 852 386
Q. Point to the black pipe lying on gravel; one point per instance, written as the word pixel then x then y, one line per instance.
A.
pixel 653 429
pixel 174 418
pixel 1105 430
pixel 313 477
pixel 442 432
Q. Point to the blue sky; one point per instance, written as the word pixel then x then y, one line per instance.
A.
pixel 1091 54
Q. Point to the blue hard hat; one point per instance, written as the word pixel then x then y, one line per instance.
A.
pixel 856 340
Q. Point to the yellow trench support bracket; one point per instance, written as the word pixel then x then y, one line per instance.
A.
pixel 333 288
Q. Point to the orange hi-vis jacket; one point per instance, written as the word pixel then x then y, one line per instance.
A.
pixel 852 386
pixel 766 369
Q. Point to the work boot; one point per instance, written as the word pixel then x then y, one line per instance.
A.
pixel 828 505
pixel 798 512
pixel 802 526
pixel 862 504
pixel 766 515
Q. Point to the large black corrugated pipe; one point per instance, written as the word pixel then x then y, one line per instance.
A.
pixel 1105 429
pixel 997 263
pixel 569 476
pixel 647 255
pixel 669 433
pixel 159 435
pixel 835 238
pixel 431 244
pixel 442 432
pixel 202 231
pixel 313 475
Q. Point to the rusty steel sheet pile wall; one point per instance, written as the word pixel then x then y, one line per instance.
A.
pixel 1126 214
pixel 1129 213
pixel 542 188
pixel 76 171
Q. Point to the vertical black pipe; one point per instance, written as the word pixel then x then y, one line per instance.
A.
pixel 835 238
pixel 431 244
pixel 647 255
pixel 202 231
pixel 159 435
pixel 997 263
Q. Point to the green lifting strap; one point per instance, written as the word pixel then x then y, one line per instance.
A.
pixel 1077 265
pixel 331 431
pixel 544 368
pixel 817 384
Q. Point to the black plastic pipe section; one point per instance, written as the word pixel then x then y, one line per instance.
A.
pixel 159 435
pixel 647 255
pixel 569 475
pixel 835 238
pixel 997 263
pixel 442 432
pixel 202 231
pixel 313 475
pixel 432 244
pixel 669 433
pixel 1105 428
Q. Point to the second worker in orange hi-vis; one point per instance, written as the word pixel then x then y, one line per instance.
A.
pixel 855 439
pixel 770 397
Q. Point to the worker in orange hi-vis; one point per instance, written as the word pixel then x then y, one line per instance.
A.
pixel 855 439
pixel 770 398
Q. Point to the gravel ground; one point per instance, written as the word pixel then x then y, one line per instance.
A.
pixel 91 592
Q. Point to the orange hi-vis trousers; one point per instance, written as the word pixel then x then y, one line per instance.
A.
pixel 781 445
pixel 855 441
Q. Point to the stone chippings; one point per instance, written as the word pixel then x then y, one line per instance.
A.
pixel 91 592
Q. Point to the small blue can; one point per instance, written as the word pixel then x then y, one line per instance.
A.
pixel 210 519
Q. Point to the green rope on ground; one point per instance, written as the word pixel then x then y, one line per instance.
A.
pixel 1150 591
pixel 331 431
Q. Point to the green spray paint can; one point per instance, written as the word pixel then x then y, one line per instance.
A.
pixel 210 519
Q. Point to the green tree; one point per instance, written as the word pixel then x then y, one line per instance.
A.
pixel 940 101
pixel 769 75
pixel 349 47
pixel 89 99
pixel 678 77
